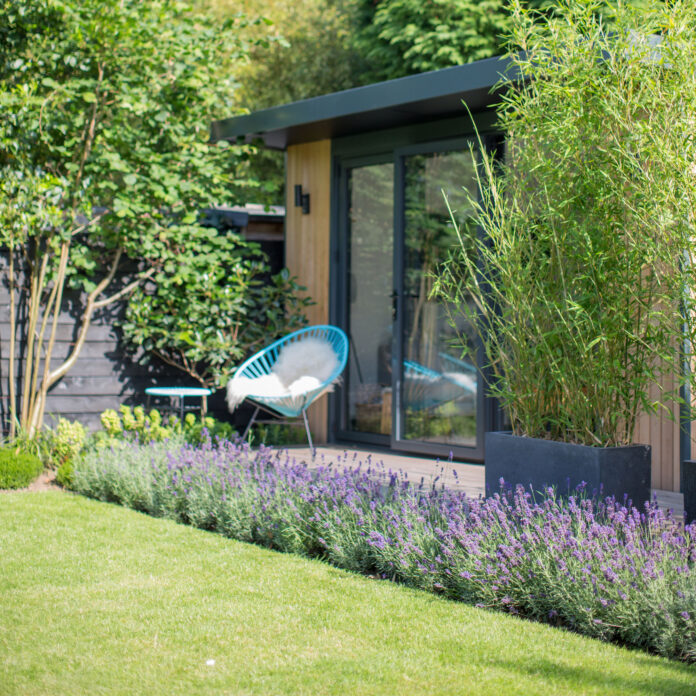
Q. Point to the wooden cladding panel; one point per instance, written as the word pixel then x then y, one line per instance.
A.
pixel 307 240
pixel 103 376
pixel 661 432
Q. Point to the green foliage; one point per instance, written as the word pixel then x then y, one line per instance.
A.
pixel 304 51
pixel 128 424
pixel 66 442
pixel 308 51
pixel 403 37
pixel 584 267
pixel 213 308
pixel 65 474
pixel 38 444
pixel 18 468
pixel 135 425
pixel 113 100
pixel 278 434
pixel 196 430
pixel 104 153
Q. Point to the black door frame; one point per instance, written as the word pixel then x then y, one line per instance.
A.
pixel 340 295
pixel 382 147
pixel 398 442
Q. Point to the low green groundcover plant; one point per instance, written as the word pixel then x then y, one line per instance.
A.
pixel 598 567
pixel 18 468
pixel 70 440
pixel 136 424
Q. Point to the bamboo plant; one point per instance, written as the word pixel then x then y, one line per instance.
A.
pixel 580 278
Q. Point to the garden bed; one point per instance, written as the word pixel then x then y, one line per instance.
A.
pixel 595 567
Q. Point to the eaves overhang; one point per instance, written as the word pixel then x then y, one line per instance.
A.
pixel 405 101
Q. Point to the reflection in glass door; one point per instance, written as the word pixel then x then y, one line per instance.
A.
pixel 439 389
pixel 370 242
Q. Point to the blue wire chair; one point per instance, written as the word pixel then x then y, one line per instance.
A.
pixel 425 388
pixel 262 363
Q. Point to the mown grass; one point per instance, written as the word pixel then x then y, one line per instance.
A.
pixel 99 599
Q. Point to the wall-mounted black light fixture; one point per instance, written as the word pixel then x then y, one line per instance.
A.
pixel 301 199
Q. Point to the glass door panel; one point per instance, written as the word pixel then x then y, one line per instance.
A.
pixel 370 286
pixel 439 393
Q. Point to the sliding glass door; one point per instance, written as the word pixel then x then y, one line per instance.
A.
pixel 407 384
pixel 369 286
pixel 437 387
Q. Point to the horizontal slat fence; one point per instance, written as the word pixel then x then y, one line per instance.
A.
pixel 103 377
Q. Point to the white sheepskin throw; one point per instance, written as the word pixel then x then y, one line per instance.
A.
pixel 302 366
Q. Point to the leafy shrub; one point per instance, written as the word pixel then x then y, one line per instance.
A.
pixel 135 425
pixel 278 434
pixel 595 566
pixel 213 309
pixel 66 442
pixel 64 474
pixel 18 468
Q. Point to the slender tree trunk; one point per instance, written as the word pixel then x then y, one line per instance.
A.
pixel 35 417
pixel 38 274
pixel 57 297
pixel 13 346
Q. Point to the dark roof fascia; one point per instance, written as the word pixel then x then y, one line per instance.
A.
pixel 416 98
pixel 386 141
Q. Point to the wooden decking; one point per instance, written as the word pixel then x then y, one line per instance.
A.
pixel 458 475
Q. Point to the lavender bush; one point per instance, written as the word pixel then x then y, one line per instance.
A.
pixel 596 567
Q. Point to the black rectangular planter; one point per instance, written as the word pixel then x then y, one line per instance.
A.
pixel 563 465
pixel 688 488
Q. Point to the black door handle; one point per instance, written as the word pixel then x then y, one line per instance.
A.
pixel 395 300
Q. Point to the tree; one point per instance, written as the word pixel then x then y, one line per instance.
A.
pixel 103 158
pixel 404 37
pixel 305 50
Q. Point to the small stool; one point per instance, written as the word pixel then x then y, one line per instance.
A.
pixel 180 393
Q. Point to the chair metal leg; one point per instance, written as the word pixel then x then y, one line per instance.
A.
pixel 251 422
pixel 306 425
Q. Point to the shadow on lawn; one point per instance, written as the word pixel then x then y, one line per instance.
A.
pixel 589 676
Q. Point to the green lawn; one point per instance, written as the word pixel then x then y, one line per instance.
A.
pixel 99 599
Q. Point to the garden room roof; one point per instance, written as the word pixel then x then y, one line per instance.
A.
pixel 405 101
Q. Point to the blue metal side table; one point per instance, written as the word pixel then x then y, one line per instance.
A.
pixel 180 393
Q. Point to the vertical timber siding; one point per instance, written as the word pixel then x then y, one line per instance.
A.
pixel 662 433
pixel 307 242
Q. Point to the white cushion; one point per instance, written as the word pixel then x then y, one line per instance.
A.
pixel 302 366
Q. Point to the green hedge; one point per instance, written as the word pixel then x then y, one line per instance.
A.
pixel 18 469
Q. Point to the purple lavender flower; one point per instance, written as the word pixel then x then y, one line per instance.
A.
pixel 575 558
